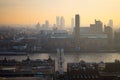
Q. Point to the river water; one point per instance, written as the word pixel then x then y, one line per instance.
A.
pixel 70 57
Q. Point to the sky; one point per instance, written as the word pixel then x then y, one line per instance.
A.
pixel 33 11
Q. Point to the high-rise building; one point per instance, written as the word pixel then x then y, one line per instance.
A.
pixel 110 23
pixel 97 28
pixel 77 21
pixel 77 29
pixel 57 21
pixel 38 26
pixel 109 31
pixel 62 22
pixel 72 22
pixel 72 25
pixel 47 23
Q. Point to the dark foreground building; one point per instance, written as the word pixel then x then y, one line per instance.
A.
pixel 82 71
pixel 41 69
pixel 93 71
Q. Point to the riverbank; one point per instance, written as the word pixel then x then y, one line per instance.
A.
pixel 53 52
pixel 13 53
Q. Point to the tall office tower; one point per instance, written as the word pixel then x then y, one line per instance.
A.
pixel 47 23
pixel 57 21
pixel 72 25
pixel 77 29
pixel 77 21
pixel 72 22
pixel 38 26
pixel 62 22
pixel 110 23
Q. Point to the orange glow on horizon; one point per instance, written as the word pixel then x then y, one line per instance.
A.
pixel 33 11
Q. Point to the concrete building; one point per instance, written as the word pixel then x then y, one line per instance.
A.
pixel 57 21
pixel 58 39
pixel 77 30
pixel 46 23
pixel 62 22
pixel 117 40
pixel 72 23
pixel 82 71
pixel 97 28
pixel 93 42
pixel 109 31
pixel 38 26
pixel 85 30
pixel 28 68
pixel 110 23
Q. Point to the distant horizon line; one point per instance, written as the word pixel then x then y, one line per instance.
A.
pixel 31 25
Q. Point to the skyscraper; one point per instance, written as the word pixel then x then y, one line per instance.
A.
pixel 77 29
pixel 72 25
pixel 72 22
pixel 57 21
pixel 77 21
pixel 47 23
pixel 62 22
pixel 38 26
pixel 110 23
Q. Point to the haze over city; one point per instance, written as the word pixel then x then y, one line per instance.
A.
pixel 33 11
pixel 59 39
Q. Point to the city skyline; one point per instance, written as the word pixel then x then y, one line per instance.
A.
pixel 33 11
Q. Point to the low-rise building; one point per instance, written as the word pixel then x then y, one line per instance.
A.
pixel 28 68
pixel 83 71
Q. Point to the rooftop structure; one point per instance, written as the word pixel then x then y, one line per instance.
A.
pixel 83 71
pixel 28 67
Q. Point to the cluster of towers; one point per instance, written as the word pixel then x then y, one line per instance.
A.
pixel 60 22
pixel 95 30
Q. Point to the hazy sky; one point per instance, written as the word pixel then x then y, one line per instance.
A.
pixel 32 11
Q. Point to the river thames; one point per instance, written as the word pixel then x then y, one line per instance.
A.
pixel 69 57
